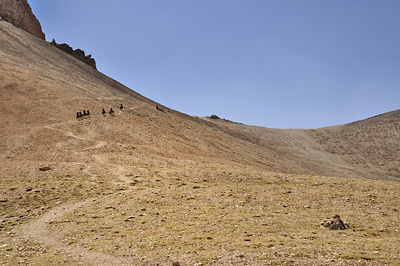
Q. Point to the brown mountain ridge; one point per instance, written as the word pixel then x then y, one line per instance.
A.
pixel 41 86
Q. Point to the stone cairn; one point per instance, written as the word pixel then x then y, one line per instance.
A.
pixel 336 223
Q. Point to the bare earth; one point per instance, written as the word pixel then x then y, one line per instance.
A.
pixel 148 187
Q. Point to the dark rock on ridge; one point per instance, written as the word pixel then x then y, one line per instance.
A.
pixel 19 13
pixel 78 53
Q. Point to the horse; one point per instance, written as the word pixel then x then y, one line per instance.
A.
pixel 79 115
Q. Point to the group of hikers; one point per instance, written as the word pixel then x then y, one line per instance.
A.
pixel 81 115
pixel 111 112
pixel 86 113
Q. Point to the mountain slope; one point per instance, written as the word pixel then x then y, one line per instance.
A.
pixel 364 149
pixel 148 187
pixel 43 86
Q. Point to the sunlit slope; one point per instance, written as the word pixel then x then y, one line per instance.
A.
pixel 42 88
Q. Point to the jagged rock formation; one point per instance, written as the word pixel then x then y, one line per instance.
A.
pixel 19 13
pixel 78 53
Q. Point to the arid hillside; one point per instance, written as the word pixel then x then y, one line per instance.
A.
pixel 42 88
pixel 153 186
pixel 363 149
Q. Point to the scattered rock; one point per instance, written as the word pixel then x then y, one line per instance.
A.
pixel 215 117
pixel 336 223
pixel 45 168
pixel 129 218
pixel 3 200
pixel 176 263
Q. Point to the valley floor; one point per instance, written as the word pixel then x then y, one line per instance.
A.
pixel 156 211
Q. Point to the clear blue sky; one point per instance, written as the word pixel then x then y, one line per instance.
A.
pixel 272 63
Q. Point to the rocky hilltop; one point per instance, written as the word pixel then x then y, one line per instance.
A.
pixel 19 13
pixel 77 53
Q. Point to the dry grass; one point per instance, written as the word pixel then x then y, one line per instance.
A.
pixel 203 214
pixel 221 216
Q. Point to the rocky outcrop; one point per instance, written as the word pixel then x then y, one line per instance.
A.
pixel 19 13
pixel 214 117
pixel 78 53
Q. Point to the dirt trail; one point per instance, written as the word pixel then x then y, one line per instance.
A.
pixel 71 134
pixel 38 229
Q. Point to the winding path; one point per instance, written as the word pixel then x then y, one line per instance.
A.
pixel 39 229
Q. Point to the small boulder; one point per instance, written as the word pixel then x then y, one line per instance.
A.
pixel 336 223
pixel 45 168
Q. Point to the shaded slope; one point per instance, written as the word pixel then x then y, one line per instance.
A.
pixel 366 149
pixel 370 146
